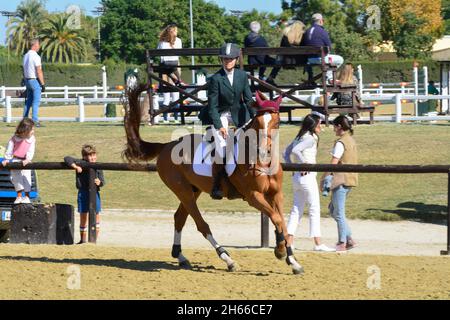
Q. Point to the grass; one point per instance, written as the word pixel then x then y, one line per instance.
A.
pixel 420 197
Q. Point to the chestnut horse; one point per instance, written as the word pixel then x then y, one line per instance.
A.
pixel 257 182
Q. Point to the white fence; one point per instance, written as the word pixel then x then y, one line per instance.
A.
pixel 68 92
pixel 82 96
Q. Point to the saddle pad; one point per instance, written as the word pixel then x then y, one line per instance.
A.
pixel 202 164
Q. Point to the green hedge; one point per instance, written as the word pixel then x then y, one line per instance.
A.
pixel 90 75
pixel 57 75
pixel 395 71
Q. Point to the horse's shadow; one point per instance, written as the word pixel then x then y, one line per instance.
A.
pixel 149 266
pixel 421 212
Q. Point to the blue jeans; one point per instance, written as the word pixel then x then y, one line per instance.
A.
pixel 337 211
pixel 33 98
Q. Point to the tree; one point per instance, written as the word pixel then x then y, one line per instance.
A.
pixel 446 13
pixel 344 20
pixel 409 42
pixel 25 25
pixel 130 27
pixel 61 44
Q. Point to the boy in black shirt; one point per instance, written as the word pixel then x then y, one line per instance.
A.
pixel 89 154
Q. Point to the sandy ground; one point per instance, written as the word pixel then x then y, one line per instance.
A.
pixel 394 260
pixel 154 229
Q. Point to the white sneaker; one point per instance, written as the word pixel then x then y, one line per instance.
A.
pixel 18 200
pixel 323 248
pixel 25 200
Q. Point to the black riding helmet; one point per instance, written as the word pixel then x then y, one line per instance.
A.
pixel 229 50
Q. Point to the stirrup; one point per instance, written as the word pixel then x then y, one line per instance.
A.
pixel 216 194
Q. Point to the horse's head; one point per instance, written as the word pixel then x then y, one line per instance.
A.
pixel 266 124
pixel 267 112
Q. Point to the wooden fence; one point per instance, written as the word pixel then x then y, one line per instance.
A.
pixel 392 169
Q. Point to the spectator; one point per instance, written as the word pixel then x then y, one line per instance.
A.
pixel 432 104
pixel 255 40
pixel 229 102
pixel 21 148
pixel 168 39
pixel 89 155
pixel 292 37
pixel 317 36
pixel 344 152
pixel 346 78
pixel 34 80
pixel 304 183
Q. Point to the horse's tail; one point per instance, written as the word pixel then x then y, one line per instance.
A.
pixel 136 148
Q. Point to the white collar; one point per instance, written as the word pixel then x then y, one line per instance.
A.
pixel 229 73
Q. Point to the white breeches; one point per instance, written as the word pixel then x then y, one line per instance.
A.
pixel 306 193
pixel 168 95
pixel 219 140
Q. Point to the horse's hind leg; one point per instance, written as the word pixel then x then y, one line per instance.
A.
pixel 203 227
pixel 189 206
pixel 180 220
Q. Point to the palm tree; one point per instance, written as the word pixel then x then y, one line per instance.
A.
pixel 60 43
pixel 25 25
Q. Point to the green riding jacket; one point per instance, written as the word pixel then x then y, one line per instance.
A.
pixel 222 97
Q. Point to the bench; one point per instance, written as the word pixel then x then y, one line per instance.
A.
pixel 256 84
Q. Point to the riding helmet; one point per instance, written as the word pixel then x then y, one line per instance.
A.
pixel 229 50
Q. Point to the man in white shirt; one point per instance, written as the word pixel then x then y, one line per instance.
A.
pixel 34 80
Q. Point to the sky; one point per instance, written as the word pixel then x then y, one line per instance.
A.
pixel 89 5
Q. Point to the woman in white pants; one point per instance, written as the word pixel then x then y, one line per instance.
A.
pixel 304 183
pixel 168 39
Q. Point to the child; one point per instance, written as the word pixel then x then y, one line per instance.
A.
pixel 346 78
pixel 305 189
pixel 89 155
pixel 344 152
pixel 21 149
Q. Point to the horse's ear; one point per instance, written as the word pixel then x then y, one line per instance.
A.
pixel 279 100
pixel 259 100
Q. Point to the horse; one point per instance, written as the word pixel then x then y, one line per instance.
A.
pixel 257 181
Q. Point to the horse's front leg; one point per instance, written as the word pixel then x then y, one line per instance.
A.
pixel 283 249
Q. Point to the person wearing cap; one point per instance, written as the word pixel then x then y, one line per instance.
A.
pixel 255 40
pixel 317 36
pixel 230 101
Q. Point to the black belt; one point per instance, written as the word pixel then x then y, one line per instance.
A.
pixel 30 78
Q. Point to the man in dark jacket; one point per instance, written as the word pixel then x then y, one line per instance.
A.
pixel 317 36
pixel 229 102
pixel 255 40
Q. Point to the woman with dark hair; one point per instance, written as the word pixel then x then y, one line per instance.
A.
pixel 344 152
pixel 304 183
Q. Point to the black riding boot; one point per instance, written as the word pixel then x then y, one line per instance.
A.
pixel 218 171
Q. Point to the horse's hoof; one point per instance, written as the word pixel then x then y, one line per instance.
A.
pixel 280 254
pixel 298 271
pixel 185 265
pixel 233 267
